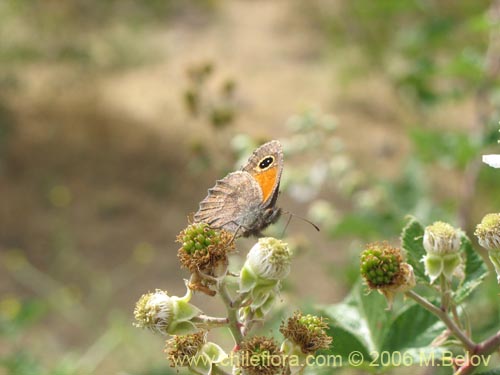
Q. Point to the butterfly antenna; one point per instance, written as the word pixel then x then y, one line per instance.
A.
pixel 287 222
pixel 299 217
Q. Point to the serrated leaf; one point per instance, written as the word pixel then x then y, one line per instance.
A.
pixel 363 317
pixel 475 270
pixel 346 342
pixel 412 242
pixel 362 323
pixel 414 327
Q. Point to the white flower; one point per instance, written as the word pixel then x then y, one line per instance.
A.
pixel 164 314
pixel 492 160
pixel 269 259
pixel 441 238
pixel 488 232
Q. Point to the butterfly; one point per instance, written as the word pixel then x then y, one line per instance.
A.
pixel 244 202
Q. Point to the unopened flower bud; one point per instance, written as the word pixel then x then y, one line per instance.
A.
pixel 380 265
pixel 383 269
pixel 488 234
pixel 268 262
pixel 442 244
pixel 164 314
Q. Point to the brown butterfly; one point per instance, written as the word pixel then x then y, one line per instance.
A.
pixel 244 202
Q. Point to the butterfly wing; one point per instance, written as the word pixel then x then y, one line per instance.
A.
pixel 268 177
pixel 230 203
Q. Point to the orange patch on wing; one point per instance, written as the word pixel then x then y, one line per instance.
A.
pixel 267 181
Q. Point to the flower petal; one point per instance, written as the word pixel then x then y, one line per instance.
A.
pixel 492 160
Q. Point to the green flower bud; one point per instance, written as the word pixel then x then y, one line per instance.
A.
pixel 268 262
pixel 442 243
pixel 380 265
pixel 488 234
pixel 260 356
pixel 194 352
pixel 441 238
pixel 204 252
pixel 383 269
pixel 164 314
pixel 404 282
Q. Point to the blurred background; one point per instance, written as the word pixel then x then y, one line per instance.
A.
pixel 117 116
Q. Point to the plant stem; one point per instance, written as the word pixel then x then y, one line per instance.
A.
pixel 459 334
pixel 485 347
pixel 234 324
pixel 445 300
pixel 210 321
pixel 454 312
pixel 489 345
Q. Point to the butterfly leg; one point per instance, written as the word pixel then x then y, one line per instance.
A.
pixel 245 230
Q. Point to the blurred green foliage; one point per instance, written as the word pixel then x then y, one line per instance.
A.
pixel 95 34
pixel 433 50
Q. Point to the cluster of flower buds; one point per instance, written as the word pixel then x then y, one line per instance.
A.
pixel 204 252
pixel 488 234
pixel 442 244
pixel 267 264
pixel 383 269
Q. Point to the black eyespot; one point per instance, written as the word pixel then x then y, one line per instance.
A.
pixel 266 162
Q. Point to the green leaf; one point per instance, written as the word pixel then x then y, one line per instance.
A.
pixel 363 318
pixel 413 328
pixel 363 323
pixel 412 242
pixel 490 372
pixel 449 148
pixel 475 270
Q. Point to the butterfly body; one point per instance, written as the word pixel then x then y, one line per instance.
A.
pixel 244 202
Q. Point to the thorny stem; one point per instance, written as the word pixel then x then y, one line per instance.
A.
pixel 231 307
pixel 459 334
